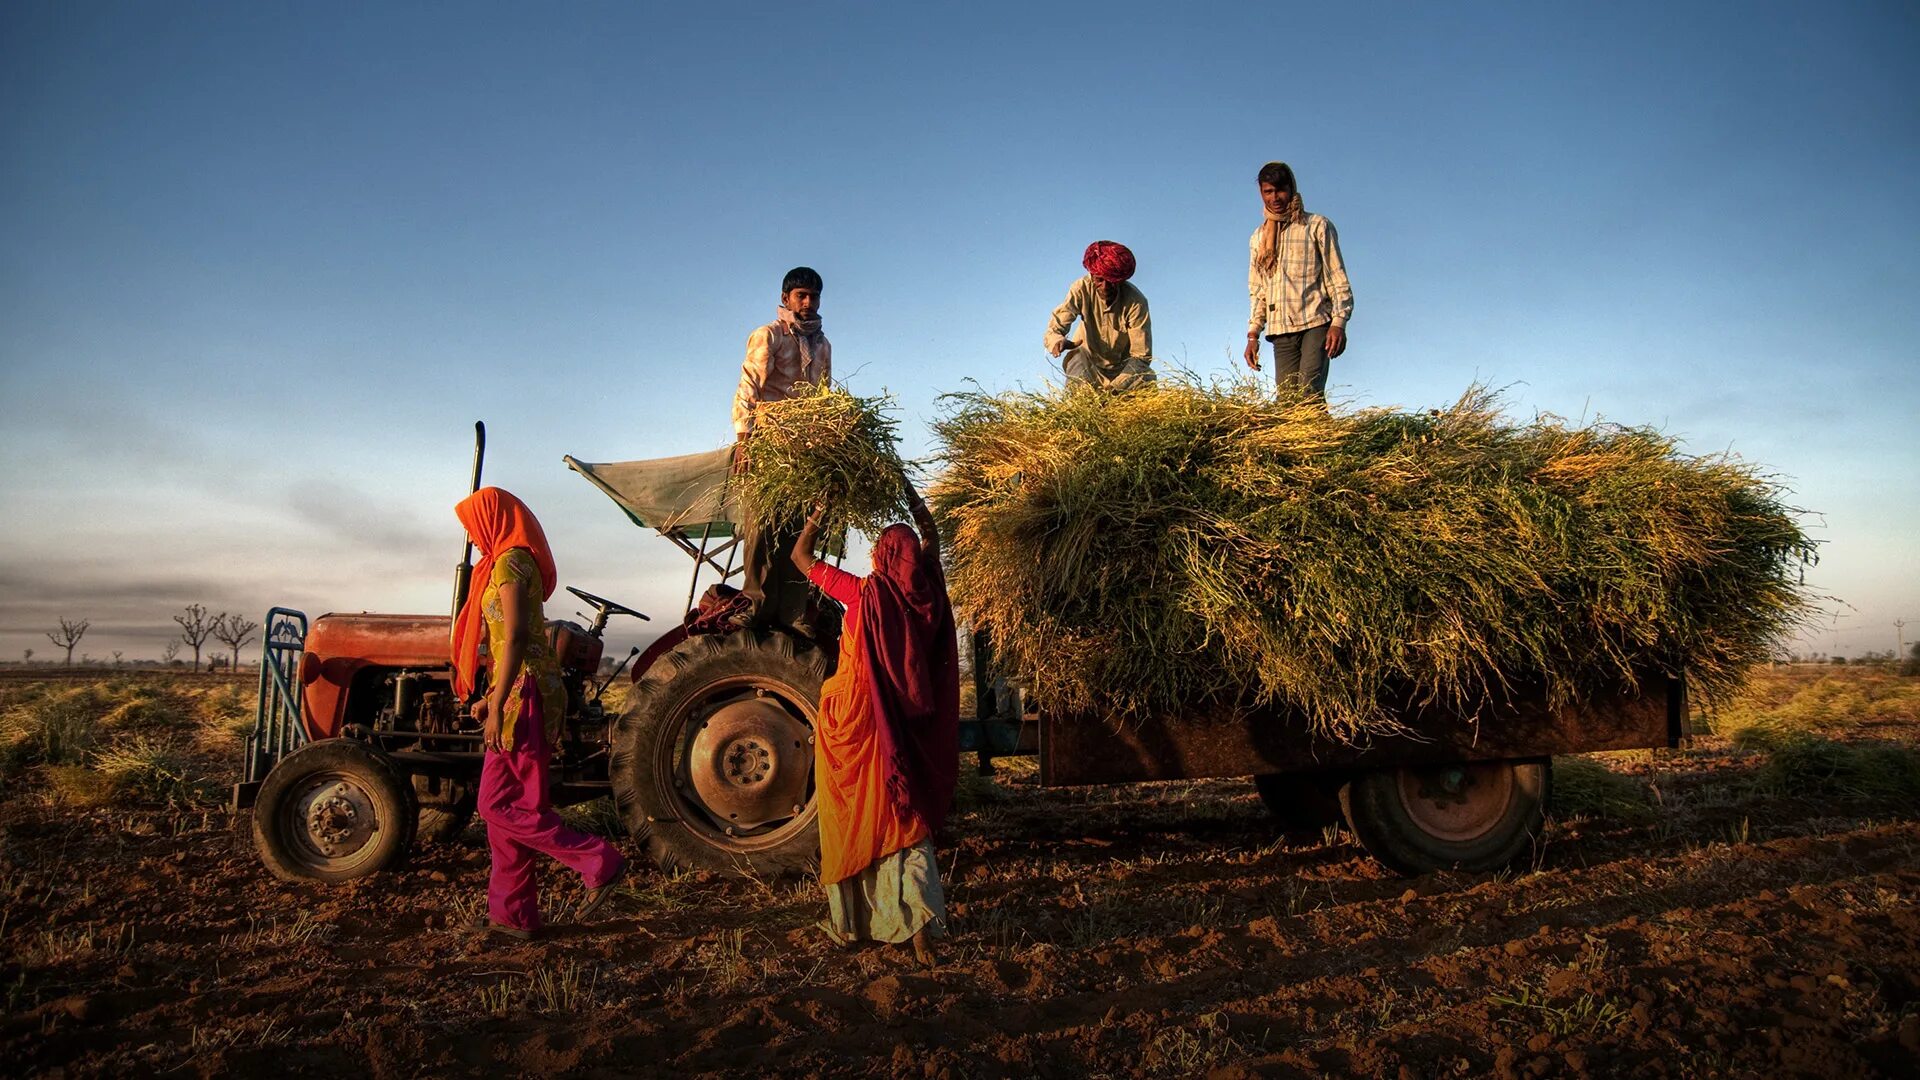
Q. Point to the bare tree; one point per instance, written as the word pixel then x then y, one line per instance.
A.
pixel 196 628
pixel 117 653
pixel 172 650
pixel 28 658
pixel 70 634
pixel 234 631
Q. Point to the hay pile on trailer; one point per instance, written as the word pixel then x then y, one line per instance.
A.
pixel 826 445
pixel 1207 549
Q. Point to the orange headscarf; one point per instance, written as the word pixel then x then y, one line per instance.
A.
pixel 498 522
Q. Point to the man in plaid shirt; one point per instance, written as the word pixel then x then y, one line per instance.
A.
pixel 1298 283
pixel 782 355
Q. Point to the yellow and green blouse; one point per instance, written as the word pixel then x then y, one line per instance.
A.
pixel 540 669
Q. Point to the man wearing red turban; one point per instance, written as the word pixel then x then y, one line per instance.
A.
pixel 1113 349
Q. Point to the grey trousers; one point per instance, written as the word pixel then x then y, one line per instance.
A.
pixel 1301 357
pixel 1082 366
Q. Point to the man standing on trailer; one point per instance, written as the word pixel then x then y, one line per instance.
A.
pixel 781 355
pixel 1115 346
pixel 1298 282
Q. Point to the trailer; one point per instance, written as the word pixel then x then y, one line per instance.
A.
pixel 360 749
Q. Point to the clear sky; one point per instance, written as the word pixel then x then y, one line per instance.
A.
pixel 264 264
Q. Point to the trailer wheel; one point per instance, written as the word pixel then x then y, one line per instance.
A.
pixel 1302 802
pixel 713 759
pixel 1477 816
pixel 332 811
pixel 446 807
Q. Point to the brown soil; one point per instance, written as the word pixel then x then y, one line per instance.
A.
pixel 1160 930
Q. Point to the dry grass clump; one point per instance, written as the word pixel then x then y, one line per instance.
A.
pixel 1775 708
pixel 142 770
pixel 76 785
pixel 1812 765
pixel 601 817
pixel 1584 787
pixel 826 445
pixel 51 724
pixel 120 741
pixel 228 707
pixel 1207 548
pixel 1809 734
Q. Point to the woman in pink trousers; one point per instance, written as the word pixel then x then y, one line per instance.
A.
pixel 520 715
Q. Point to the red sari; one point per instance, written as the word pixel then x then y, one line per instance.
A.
pixel 888 742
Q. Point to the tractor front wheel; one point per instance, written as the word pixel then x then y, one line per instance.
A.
pixel 713 759
pixel 1468 816
pixel 332 811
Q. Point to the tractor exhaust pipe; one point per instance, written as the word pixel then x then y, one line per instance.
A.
pixel 463 572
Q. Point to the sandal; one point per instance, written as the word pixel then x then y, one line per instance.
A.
pixel 596 899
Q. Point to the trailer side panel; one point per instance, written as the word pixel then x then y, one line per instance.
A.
pixel 1088 751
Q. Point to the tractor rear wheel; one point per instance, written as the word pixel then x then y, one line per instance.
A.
pixel 713 759
pixel 332 811
pixel 1468 816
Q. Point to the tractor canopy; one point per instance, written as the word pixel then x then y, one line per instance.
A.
pixel 687 495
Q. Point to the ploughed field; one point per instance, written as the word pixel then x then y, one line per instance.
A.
pixel 1749 906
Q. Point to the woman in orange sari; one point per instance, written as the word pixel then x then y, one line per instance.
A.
pixel 520 714
pixel 887 746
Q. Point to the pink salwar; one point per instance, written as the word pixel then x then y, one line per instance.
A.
pixel 521 823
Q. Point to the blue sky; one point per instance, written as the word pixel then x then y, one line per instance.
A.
pixel 266 263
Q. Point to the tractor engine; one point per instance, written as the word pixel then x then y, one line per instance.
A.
pixel 579 652
pixel 421 701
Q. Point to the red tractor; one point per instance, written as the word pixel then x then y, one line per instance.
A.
pixel 361 747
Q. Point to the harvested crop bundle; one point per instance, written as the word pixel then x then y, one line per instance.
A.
pixel 1208 548
pixel 826 445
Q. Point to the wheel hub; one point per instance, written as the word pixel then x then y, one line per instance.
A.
pixel 749 762
pixel 1457 802
pixel 338 816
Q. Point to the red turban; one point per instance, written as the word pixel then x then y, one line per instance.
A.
pixel 1108 261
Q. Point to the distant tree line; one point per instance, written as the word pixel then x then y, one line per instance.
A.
pixel 197 627
pixel 1884 658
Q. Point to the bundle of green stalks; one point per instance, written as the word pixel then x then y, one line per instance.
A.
pixel 824 445
pixel 1206 550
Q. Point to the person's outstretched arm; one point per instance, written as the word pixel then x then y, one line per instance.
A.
pixel 808 540
pixel 922 519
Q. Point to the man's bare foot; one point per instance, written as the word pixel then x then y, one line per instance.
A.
pixel 923 948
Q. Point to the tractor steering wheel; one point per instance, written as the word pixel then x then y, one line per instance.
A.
pixel 604 607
